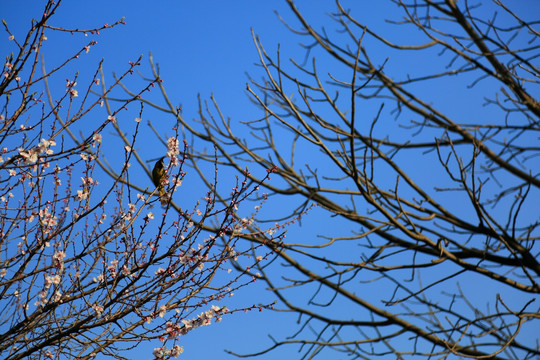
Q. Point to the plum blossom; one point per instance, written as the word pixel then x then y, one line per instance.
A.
pixel 50 280
pixel 176 351
pixel 161 353
pixel 58 257
pixel 45 146
pixel 47 219
pixel 98 309
pixel 81 195
pixel 125 270
pixel 102 218
pixel 42 301
pixel 86 181
pixel 70 88
pixel 173 150
pixel 97 138
pixel 57 296
pixel 112 267
pixel 174 330
pixel 173 146
pixel 162 311
pixel 176 182
pixel 29 156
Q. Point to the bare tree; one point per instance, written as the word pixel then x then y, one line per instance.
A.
pixel 429 248
pixel 90 263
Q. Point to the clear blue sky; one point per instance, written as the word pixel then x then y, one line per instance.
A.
pixel 202 47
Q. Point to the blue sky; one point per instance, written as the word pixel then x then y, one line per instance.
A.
pixel 202 47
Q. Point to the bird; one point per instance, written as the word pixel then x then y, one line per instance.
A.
pixel 158 174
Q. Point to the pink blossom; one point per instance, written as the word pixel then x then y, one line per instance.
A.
pixel 125 270
pixel 159 353
pixel 29 156
pixel 98 309
pixel 81 195
pixel 59 256
pixel 162 311
pixel 176 351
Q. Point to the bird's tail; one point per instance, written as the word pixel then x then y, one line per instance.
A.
pixel 163 197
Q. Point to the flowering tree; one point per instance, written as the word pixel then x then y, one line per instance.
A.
pixel 426 244
pixel 90 263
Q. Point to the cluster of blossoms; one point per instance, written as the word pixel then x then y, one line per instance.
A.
pixel 173 150
pixel 82 195
pixel 31 156
pixel 49 280
pixel 193 256
pixel 70 89
pixel 87 183
pixel 52 279
pixel 58 262
pixel 9 67
pixel 243 224
pixel 99 278
pixel 174 330
pixel 97 138
pixel 132 209
pixel 162 352
pixel 47 220
pixel 113 268
pixel 98 309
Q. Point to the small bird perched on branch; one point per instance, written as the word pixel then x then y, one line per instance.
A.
pixel 158 174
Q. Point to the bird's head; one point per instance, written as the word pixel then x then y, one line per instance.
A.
pixel 160 163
